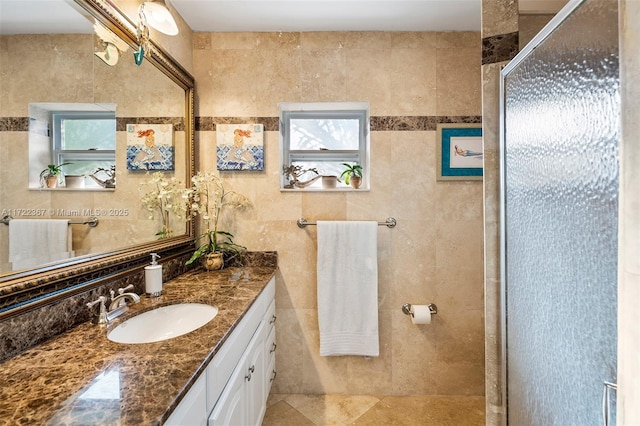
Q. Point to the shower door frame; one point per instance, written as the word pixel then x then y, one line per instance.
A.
pixel 551 26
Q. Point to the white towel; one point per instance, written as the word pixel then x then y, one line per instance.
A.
pixel 34 242
pixel 348 288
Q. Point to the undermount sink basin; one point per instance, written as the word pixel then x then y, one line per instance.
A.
pixel 163 323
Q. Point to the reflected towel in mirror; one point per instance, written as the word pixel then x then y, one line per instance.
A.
pixel 34 242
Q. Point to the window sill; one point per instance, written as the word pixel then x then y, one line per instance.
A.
pixel 324 190
pixel 65 189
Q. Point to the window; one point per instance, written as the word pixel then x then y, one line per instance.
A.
pixel 86 140
pixel 319 137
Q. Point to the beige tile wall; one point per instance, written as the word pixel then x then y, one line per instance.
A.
pixel 498 17
pixel 435 252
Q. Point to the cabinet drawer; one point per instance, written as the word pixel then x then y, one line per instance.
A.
pixel 270 315
pixel 270 375
pixel 270 344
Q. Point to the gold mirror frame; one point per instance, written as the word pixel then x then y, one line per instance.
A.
pixel 31 289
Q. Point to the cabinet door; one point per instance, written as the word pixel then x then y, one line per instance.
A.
pixel 192 409
pixel 230 409
pixel 243 401
pixel 256 389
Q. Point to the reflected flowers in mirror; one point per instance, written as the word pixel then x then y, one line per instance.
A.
pixel 166 197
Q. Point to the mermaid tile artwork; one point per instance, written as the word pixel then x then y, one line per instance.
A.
pixel 150 147
pixel 240 146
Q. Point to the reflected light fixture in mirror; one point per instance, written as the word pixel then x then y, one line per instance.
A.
pixel 113 45
pixel 154 14
pixel 158 16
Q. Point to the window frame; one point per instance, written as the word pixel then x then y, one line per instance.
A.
pixel 60 155
pixel 325 110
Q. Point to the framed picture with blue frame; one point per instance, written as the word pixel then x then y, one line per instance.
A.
pixel 460 151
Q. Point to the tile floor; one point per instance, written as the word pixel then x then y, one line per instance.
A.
pixel 324 410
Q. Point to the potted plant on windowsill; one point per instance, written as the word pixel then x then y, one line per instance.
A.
pixel 352 175
pixel 49 176
pixel 207 198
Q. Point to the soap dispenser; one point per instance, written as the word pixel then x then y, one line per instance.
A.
pixel 153 277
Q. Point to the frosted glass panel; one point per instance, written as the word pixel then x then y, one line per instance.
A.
pixel 561 179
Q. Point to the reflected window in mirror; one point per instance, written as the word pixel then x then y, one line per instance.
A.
pixel 85 141
pixel 78 138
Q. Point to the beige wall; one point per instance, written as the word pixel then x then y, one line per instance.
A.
pixel 529 26
pixel 435 252
pixel 498 18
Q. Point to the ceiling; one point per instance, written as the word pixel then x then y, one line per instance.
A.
pixel 330 15
pixel 59 16
pixel 42 17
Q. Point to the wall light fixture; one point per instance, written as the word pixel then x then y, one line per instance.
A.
pixel 154 14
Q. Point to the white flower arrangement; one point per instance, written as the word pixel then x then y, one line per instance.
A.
pixel 167 195
pixel 206 198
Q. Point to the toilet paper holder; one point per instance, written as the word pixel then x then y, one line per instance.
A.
pixel 406 308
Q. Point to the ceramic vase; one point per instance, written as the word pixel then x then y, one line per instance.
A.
pixel 355 181
pixel 329 181
pixel 212 261
pixel 52 181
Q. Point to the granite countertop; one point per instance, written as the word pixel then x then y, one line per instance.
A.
pixel 81 377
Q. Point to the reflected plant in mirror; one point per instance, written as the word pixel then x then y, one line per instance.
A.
pixel 167 197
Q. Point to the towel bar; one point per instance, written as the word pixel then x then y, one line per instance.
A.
pixel 92 221
pixel 389 223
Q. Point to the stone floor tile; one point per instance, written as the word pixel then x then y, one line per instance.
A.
pixel 282 414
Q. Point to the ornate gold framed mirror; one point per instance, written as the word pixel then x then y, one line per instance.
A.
pixel 158 93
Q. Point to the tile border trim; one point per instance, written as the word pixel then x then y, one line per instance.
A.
pixel 500 48
pixel 21 124
pixel 378 123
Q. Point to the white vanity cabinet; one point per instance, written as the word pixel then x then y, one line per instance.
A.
pixel 237 381
pixel 241 392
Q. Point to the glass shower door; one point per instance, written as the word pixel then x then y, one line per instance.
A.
pixel 560 197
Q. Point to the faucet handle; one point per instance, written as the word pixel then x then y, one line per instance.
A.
pixel 121 290
pixel 101 317
pixel 102 300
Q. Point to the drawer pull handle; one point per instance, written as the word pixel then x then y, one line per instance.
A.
pixel 251 370
pixel 273 348
pixel 273 319
pixel 273 375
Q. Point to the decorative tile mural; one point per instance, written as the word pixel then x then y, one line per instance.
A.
pixel 240 146
pixel 150 147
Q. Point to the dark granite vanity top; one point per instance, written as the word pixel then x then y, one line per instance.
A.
pixel 81 377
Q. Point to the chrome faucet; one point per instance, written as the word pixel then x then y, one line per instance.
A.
pixel 121 299
pixel 117 306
